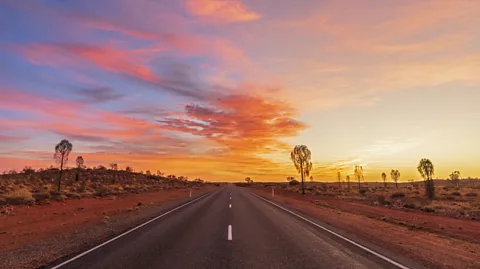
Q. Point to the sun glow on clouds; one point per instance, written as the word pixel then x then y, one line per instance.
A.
pixel 224 89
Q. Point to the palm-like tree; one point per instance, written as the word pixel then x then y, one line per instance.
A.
pixel 426 170
pixel 301 158
pixel 358 174
pixel 395 176
pixel 339 176
pixel 384 177
pixel 455 177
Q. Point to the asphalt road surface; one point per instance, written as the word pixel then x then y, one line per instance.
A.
pixel 229 228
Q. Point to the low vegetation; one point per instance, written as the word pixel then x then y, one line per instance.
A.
pixel 36 187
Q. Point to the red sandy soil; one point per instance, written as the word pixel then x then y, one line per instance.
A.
pixel 27 224
pixel 434 241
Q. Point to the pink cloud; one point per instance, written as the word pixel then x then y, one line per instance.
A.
pixel 222 11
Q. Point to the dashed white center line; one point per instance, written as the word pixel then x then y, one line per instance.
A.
pixel 229 232
pixel 230 205
pixel 230 198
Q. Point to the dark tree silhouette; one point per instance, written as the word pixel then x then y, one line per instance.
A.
pixel 384 178
pixel 426 170
pixel 348 182
pixel 248 180
pixel 62 150
pixel 358 174
pixel 114 167
pixel 129 169
pixel 395 175
pixel 455 177
pixel 80 165
pixel 339 177
pixel 301 157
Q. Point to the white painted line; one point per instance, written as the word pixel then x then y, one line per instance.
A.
pixel 125 233
pixel 230 205
pixel 230 198
pixel 229 232
pixel 338 235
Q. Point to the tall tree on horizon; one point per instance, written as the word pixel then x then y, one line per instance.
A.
pixel 62 150
pixel 395 175
pixel 455 177
pixel 348 182
pixel 426 170
pixel 384 178
pixel 80 164
pixel 301 158
pixel 339 177
pixel 358 174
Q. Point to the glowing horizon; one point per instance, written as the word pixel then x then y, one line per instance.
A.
pixel 223 90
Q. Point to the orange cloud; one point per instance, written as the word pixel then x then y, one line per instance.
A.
pixel 222 11
pixel 240 124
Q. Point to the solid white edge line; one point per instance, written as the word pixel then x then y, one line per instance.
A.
pixel 127 232
pixel 338 235
pixel 230 233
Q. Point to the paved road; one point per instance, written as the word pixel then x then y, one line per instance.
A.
pixel 197 236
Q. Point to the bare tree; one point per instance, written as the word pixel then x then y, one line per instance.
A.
pixel 339 177
pixel 455 177
pixel 348 182
pixel 358 174
pixel 301 157
pixel 395 175
pixel 248 180
pixel 62 150
pixel 384 178
pixel 129 169
pixel 426 170
pixel 80 164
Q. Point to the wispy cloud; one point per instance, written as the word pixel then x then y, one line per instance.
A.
pixel 222 11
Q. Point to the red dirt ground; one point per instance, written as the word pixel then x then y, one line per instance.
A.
pixel 27 224
pixel 435 241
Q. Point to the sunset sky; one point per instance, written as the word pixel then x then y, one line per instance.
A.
pixel 224 89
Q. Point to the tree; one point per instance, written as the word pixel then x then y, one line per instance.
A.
pixel 114 167
pixel 62 150
pixel 80 165
pixel 358 174
pixel 339 177
pixel 384 178
pixel 426 170
pixel 348 181
pixel 311 179
pixel 301 158
pixel 290 179
pixel 455 177
pixel 129 169
pixel 248 180
pixel 395 175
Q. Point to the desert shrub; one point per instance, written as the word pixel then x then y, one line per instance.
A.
pixel 40 196
pixel 381 199
pixel 293 182
pixel 398 195
pixel 456 193
pixel 409 205
pixel 18 197
pixel 471 194
pixel 362 191
pixel 428 209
